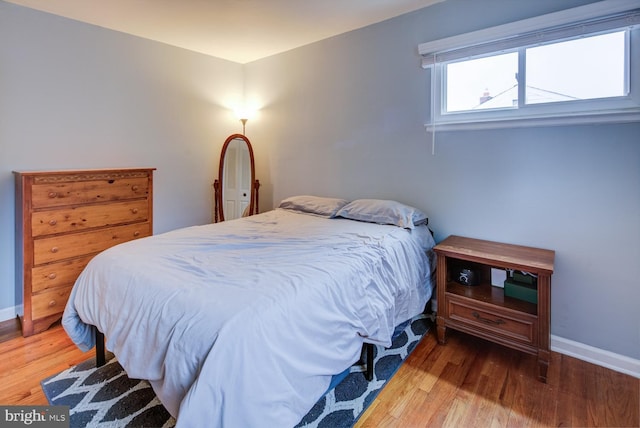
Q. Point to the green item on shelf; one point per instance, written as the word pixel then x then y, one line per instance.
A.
pixel 524 278
pixel 521 291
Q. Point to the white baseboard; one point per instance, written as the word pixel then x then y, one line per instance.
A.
pixel 610 360
pixel 8 313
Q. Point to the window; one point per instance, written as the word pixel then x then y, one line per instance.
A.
pixel 489 82
pixel 554 72
pixel 574 72
pixel 567 70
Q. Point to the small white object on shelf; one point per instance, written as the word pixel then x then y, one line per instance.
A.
pixel 498 277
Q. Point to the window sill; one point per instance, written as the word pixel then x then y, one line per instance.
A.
pixel 632 115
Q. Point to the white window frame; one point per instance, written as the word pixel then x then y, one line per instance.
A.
pixel 595 18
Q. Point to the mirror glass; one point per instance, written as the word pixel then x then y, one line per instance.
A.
pixel 236 189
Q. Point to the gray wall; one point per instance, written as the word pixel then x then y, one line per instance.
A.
pixel 344 117
pixel 341 117
pixel 78 96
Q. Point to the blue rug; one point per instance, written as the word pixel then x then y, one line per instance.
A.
pixel 342 406
pixel 106 398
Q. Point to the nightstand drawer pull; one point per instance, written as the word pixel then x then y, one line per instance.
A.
pixel 53 195
pixel 486 320
pixel 53 222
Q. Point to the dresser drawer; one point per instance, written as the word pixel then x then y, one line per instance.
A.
pixel 513 325
pixel 56 248
pixel 85 217
pixel 50 302
pixel 57 274
pixel 57 194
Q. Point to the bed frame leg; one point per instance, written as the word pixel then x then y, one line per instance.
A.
pixel 100 354
pixel 368 350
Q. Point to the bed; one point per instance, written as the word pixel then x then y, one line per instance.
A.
pixel 245 322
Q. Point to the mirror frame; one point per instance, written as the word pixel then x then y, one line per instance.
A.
pixel 218 214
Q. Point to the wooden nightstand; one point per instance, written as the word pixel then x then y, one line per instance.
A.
pixel 483 310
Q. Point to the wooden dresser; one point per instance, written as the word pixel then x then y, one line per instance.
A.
pixel 63 219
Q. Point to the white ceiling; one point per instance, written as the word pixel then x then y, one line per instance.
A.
pixel 237 30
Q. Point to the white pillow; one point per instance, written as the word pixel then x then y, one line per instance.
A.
pixel 383 212
pixel 317 205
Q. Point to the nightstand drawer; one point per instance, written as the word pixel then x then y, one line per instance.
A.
pixel 513 325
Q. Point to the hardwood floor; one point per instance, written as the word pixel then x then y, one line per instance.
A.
pixel 466 383
pixel 470 382
pixel 9 329
pixel 26 361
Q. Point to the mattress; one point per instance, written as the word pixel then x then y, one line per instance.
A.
pixel 244 323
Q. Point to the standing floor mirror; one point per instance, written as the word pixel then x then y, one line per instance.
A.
pixel 236 189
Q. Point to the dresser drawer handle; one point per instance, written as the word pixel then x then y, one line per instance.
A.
pixel 134 188
pixel 487 320
pixel 53 195
pixel 52 276
pixel 136 233
pixel 134 210
pixel 53 222
pixel 54 249
pixel 52 303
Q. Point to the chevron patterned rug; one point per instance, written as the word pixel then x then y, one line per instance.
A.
pixel 106 398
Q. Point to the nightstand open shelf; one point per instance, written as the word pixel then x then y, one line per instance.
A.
pixel 483 310
pixel 487 293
